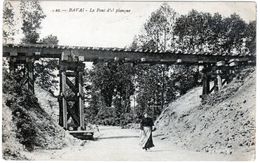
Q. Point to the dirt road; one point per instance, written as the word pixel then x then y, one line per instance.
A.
pixel 122 144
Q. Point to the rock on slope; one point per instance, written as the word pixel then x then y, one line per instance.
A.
pixel 223 123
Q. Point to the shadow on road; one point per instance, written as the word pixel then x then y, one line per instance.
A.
pixel 117 137
pixel 158 150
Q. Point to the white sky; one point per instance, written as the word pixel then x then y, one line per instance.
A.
pixel 119 29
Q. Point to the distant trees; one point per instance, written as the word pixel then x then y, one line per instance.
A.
pixel 206 33
pixel 192 31
pixel 45 67
pixel 110 85
pixel 111 88
pixel 32 16
pixel 196 32
pixel 50 40
pixel 157 30
pixel 157 84
pixel 8 22
pixel 250 35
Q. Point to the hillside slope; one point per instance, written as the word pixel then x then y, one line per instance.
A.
pixel 223 123
pixel 47 102
pixel 29 124
pixel 10 144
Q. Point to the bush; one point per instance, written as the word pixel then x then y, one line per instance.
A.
pixel 18 101
pixel 26 130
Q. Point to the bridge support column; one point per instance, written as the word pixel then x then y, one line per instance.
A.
pixel 71 98
pixel 22 68
pixel 81 100
pixel 219 80
pixel 205 81
pixel 220 68
pixel 62 100
pixel 233 65
pixel 30 75
pixel 215 88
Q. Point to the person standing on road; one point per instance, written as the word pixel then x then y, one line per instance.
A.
pixel 146 127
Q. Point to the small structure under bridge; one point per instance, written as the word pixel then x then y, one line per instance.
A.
pixel 71 58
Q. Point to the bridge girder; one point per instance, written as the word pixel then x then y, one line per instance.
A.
pixel 90 54
pixel 71 65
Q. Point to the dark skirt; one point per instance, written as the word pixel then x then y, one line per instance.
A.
pixel 146 138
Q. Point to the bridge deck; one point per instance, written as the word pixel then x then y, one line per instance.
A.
pixel 126 55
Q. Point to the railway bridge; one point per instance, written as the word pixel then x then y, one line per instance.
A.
pixel 71 68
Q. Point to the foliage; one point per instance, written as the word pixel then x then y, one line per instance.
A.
pixel 44 72
pixel 32 16
pixel 8 22
pixel 106 116
pixel 50 40
pixel 95 104
pixel 45 67
pixel 127 118
pixel 26 128
pixel 156 84
pixel 112 80
pixel 206 33
pixel 32 125
pixel 151 82
pixel 111 87
pixel 103 79
pixel 250 34
pixel 26 133
pixel 196 32
pixel 157 30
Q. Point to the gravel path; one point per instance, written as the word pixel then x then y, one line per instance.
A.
pixel 116 144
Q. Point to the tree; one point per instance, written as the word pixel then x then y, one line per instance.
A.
pixel 157 84
pixel 158 29
pixel 32 16
pixel 235 30
pixel 112 79
pixel 103 79
pixel 194 32
pixel 111 88
pixel 205 33
pixel 250 35
pixel 45 67
pixel 152 81
pixel 8 22
pixel 50 40
pixel 125 86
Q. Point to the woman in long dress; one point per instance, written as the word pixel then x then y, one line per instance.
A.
pixel 146 127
